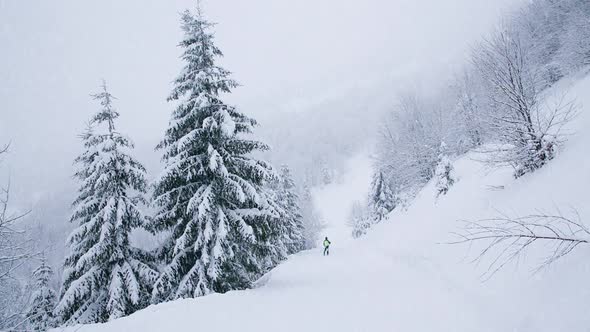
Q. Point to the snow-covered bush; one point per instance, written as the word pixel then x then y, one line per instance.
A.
pixel 359 220
pixel 444 175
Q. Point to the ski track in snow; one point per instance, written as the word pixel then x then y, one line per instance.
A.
pixel 399 277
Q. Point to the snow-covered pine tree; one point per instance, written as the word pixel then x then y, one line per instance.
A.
pixel 104 277
pixel 292 220
pixel 444 175
pixel 210 198
pixel 359 220
pixel 40 313
pixel 381 198
pixel 327 174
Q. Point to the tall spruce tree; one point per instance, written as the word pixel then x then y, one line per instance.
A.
pixel 40 313
pixel 381 198
pixel 291 232
pixel 211 199
pixel 104 277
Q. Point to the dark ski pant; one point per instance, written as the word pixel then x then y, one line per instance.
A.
pixel 327 250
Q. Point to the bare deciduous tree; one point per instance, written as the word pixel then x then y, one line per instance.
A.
pixel 15 251
pixel 467 90
pixel 506 238
pixel 409 142
pixel 527 130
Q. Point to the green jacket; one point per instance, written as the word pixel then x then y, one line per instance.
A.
pixel 327 243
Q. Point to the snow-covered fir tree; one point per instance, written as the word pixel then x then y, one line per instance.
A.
pixel 327 174
pixel 104 277
pixel 381 197
pixel 312 221
pixel 292 220
pixel 444 175
pixel 211 199
pixel 359 220
pixel 40 313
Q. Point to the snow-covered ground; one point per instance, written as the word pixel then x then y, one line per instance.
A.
pixel 401 277
pixel 334 201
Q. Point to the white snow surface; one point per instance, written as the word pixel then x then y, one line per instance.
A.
pixel 402 277
pixel 334 201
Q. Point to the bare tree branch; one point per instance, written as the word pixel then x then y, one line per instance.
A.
pixel 506 238
pixel 14 246
pixel 4 148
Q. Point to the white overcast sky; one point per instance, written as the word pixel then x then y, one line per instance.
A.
pixel 54 53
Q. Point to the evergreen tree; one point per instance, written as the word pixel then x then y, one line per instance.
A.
pixel 326 174
pixel 40 313
pixel 210 198
pixel 104 277
pixel 381 198
pixel 443 175
pixel 291 234
pixel 359 221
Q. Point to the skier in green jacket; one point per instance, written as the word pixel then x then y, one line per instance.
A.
pixel 327 246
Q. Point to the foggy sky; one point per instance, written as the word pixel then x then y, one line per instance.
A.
pixel 285 54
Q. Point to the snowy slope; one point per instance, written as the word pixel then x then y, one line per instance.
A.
pixel 334 201
pixel 401 278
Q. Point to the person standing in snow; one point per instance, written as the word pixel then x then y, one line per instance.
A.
pixel 327 246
